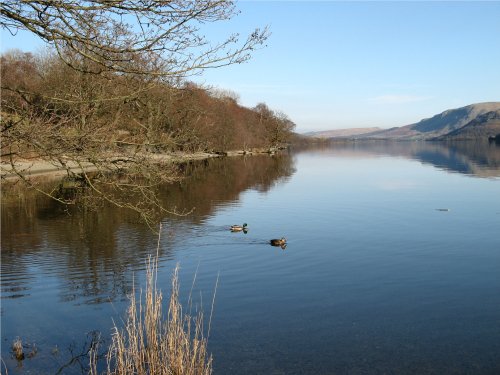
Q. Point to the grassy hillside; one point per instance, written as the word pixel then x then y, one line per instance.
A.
pixel 438 125
pixel 482 127
pixel 447 124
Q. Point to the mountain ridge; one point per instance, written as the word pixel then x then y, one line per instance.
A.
pixel 438 127
pixel 484 126
pixel 440 124
pixel 348 132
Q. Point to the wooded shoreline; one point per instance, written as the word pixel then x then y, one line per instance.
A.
pixel 38 168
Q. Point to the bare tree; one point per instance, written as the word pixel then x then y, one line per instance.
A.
pixel 104 101
pixel 280 129
pixel 148 37
pixel 278 125
pixel 224 94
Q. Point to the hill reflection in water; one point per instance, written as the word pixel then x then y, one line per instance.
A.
pixel 480 159
pixel 375 277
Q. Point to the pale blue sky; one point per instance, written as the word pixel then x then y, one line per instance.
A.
pixel 335 64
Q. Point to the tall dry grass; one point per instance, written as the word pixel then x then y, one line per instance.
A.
pixel 153 344
pixel 17 349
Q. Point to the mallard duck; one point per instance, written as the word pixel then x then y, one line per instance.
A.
pixel 278 242
pixel 239 228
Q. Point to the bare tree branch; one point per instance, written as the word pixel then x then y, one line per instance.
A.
pixel 116 35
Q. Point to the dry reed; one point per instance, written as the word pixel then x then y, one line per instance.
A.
pixel 17 349
pixel 153 344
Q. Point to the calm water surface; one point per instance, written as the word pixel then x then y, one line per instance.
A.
pixel 375 279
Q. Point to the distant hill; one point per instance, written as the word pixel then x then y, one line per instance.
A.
pixel 438 125
pixel 341 133
pixel 482 127
pixel 471 122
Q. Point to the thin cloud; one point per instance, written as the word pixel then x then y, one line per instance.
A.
pixel 399 99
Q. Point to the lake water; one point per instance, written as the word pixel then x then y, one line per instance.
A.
pixel 392 264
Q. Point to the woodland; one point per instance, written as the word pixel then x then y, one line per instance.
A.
pixel 113 91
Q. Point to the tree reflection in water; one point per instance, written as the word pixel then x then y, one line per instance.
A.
pixel 84 246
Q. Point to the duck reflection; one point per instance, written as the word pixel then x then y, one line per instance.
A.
pixel 89 248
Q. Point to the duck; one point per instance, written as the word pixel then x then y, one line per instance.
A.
pixel 239 228
pixel 278 242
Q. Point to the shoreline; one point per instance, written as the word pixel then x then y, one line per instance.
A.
pixel 38 168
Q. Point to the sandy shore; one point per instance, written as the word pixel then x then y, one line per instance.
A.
pixel 42 168
pixel 48 170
